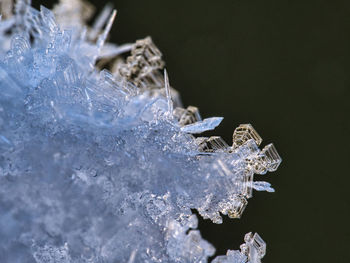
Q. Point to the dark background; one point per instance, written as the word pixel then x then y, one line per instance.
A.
pixel 284 67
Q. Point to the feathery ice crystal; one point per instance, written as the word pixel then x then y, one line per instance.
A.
pixel 105 166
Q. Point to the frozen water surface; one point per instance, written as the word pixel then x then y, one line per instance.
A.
pixel 102 165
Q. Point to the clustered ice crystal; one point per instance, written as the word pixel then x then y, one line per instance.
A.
pixel 103 166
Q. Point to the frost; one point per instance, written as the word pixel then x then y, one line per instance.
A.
pixel 103 166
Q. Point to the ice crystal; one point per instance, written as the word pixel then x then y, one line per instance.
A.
pixel 103 166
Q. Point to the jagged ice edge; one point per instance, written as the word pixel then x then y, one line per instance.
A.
pixel 128 109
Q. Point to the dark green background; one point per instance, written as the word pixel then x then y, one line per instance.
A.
pixel 284 67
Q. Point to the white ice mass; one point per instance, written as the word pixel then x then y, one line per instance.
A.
pixel 102 165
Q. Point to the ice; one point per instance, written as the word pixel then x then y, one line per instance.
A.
pixel 6 8
pixel 168 94
pixel 102 38
pixel 100 165
pixel 270 157
pixel 252 251
pixel 266 160
pixel 237 207
pixel 142 66
pixel 212 144
pixel 262 186
pixel 255 247
pixel 187 116
pixel 207 124
pixel 231 256
pixel 100 21
pixel 74 13
pixel 243 133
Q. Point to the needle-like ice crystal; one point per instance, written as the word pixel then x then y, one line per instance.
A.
pixel 103 166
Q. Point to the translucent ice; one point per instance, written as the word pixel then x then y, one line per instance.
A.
pixel 102 166
pixel 202 126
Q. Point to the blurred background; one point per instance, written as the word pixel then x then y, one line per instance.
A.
pixel 282 66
